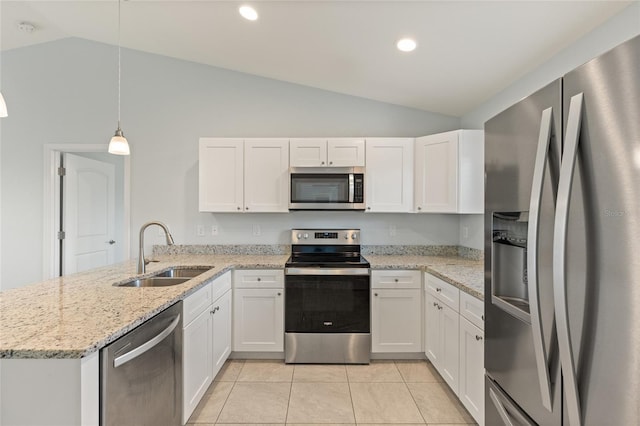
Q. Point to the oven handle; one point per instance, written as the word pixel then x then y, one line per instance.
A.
pixel 327 271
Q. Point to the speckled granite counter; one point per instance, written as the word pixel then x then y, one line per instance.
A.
pixel 466 274
pixel 73 316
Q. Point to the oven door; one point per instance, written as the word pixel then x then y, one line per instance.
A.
pixel 327 300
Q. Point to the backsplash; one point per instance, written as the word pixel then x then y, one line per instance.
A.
pixel 281 249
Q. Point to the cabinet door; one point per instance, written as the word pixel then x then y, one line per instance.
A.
pixel 471 391
pixel 197 372
pixel 308 152
pixel 449 366
pixel 436 173
pixel 258 320
pixel 347 152
pixel 396 319
pixel 221 175
pixel 221 331
pixel 389 179
pixel 432 342
pixel 266 183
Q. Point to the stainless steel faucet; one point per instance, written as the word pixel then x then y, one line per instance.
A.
pixel 142 262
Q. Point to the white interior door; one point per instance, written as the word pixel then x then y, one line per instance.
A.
pixel 88 214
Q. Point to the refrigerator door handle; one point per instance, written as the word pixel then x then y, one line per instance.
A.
pixel 567 167
pixel 542 363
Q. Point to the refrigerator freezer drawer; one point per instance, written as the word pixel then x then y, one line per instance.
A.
pixel 501 410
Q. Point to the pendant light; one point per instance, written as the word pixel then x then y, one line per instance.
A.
pixel 118 144
pixel 3 107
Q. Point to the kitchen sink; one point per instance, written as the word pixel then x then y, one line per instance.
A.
pixel 187 272
pixel 172 276
pixel 154 282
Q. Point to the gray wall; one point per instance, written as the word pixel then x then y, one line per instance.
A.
pixel 66 92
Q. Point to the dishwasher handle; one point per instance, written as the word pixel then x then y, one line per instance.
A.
pixel 132 354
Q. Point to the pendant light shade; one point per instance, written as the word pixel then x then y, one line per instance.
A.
pixel 118 144
pixel 3 106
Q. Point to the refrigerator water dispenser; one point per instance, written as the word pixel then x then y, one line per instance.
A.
pixel 509 264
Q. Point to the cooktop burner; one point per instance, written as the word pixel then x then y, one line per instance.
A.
pixel 326 248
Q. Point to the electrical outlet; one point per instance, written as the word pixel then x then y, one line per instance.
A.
pixel 392 231
pixel 214 230
pixel 200 230
pixel 465 232
pixel 256 230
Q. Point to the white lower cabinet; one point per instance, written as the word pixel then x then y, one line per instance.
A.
pixel 197 371
pixel 221 327
pixel 454 341
pixel 206 339
pixel 396 311
pixel 441 339
pixel 258 311
pixel 471 391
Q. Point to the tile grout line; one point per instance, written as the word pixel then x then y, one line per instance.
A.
pixel 411 393
pixel 353 407
pixel 286 414
pixel 229 394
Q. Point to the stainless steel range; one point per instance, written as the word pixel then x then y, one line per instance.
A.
pixel 327 298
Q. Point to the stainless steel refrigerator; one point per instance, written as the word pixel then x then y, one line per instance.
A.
pixel 562 250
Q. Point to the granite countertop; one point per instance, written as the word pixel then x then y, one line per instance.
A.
pixel 76 315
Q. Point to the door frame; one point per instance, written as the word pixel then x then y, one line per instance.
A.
pixel 51 211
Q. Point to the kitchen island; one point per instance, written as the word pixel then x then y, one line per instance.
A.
pixel 51 332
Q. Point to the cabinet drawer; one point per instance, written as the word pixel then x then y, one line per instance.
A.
pixel 221 285
pixel 443 291
pixel 395 279
pixel 258 278
pixel 193 305
pixel 472 309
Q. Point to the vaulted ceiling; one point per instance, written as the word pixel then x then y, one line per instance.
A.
pixel 467 50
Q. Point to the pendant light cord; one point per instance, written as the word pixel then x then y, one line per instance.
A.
pixel 119 63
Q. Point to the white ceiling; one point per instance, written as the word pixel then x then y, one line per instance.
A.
pixel 467 50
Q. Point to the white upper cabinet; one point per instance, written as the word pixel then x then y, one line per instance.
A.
pixel 449 172
pixel 389 178
pixel 244 175
pixel 266 175
pixel 221 175
pixel 308 152
pixel 323 152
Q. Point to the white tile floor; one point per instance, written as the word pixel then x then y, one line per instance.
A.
pixel 384 392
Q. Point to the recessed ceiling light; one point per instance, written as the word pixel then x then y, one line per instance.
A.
pixel 406 44
pixel 248 13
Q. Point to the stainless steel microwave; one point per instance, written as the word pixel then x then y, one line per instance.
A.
pixel 327 188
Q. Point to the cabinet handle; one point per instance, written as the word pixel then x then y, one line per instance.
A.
pixel 478 337
pixel 259 279
pixel 438 289
pixel 482 316
pixel 396 280
pixel 439 307
pixel 435 304
pixel 375 294
pixel 322 163
pixel 419 208
pixel 246 208
pixel 279 294
pixel 239 208
pixel 330 162
pixel 368 208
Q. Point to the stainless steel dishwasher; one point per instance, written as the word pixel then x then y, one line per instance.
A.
pixel 141 374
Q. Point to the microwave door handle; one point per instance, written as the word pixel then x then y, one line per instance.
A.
pixel 570 384
pixel 542 363
pixel 351 187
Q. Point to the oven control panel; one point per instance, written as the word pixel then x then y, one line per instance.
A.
pixel 325 236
